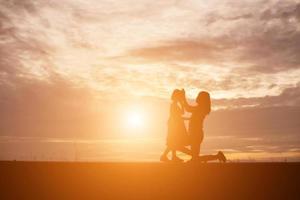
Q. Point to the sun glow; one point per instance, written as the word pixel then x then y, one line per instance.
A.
pixel 135 120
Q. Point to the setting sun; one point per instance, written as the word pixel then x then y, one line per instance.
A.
pixel 135 119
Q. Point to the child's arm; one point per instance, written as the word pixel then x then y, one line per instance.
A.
pixel 186 118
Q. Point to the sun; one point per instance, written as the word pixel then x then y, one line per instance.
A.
pixel 135 119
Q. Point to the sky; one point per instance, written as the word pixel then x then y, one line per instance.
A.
pixel 76 68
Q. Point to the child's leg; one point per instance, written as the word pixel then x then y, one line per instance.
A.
pixel 167 150
pixel 164 156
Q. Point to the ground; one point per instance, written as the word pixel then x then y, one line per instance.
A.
pixel 67 180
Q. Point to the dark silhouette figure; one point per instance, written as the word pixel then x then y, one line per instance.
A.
pixel 199 112
pixel 177 137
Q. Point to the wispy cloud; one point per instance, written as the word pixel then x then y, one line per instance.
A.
pixel 103 45
pixel 80 56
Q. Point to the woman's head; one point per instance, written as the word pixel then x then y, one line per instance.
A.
pixel 176 95
pixel 203 99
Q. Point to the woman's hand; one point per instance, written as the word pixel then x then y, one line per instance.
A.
pixel 185 103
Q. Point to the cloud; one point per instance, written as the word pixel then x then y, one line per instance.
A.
pixel 289 97
pixel 39 108
pixel 253 41
pixel 258 43
pixel 212 18
pixel 183 50
pixel 282 11
pixel 79 56
pixel 225 48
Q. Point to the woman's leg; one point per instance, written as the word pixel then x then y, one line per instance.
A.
pixel 219 156
pixel 206 158
pixel 196 138
pixel 174 154
pixel 195 149
pixel 185 150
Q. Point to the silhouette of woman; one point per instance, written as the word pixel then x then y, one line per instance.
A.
pixel 199 112
pixel 177 137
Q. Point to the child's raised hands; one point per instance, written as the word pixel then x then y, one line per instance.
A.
pixel 182 95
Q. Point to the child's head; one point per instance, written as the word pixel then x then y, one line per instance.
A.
pixel 176 95
pixel 203 99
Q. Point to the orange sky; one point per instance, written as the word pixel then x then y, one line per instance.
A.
pixel 72 68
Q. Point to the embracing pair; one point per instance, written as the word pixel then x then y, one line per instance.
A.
pixel 178 138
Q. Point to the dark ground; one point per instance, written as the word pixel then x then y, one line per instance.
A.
pixel 63 180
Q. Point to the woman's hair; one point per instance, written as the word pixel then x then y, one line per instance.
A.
pixel 203 99
pixel 175 95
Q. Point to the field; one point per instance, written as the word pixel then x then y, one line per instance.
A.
pixel 69 180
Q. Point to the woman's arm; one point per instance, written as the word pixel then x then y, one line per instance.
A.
pixel 185 104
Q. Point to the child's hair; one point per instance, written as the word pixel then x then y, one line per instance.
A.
pixel 175 94
pixel 203 99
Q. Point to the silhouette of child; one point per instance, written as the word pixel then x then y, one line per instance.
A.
pixel 177 137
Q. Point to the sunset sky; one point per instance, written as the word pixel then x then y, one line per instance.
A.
pixel 80 68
